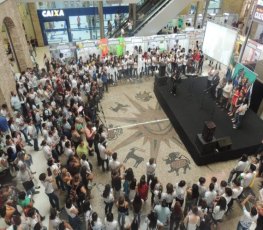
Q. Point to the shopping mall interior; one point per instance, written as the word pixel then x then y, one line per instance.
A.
pixel 131 114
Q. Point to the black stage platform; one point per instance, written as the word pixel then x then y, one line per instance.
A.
pixel 189 109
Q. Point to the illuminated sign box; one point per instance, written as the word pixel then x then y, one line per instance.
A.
pixel 258 15
pixel 53 13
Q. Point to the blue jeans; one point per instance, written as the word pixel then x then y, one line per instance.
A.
pixel 239 119
pixel 24 132
pixel 60 183
pixel 53 199
pixel 108 207
pixel 121 219
pixel 240 227
pixel 75 222
pixel 38 128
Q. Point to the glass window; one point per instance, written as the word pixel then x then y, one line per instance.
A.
pixel 214 7
pixel 84 27
pixel 56 31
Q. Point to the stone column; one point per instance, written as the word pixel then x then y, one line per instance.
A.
pixel 134 17
pixel 35 22
pixel 6 77
pixel 205 12
pixel 100 11
pixel 196 13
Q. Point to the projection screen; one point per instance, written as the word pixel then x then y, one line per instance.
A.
pixel 219 42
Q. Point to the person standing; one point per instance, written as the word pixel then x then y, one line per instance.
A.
pixel 108 198
pixel 78 21
pixel 49 190
pixel 32 132
pixel 150 170
pixel 109 28
pixel 240 113
pixel 248 217
pixel 163 213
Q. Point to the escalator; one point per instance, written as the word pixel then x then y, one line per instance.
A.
pixel 157 17
pixel 143 7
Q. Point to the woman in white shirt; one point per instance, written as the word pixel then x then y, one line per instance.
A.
pixel 219 210
pixel 169 195
pixel 180 189
pixel 108 198
pixel 72 213
pixel 110 223
pixel 95 222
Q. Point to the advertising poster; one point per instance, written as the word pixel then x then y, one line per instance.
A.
pixel 258 16
pixel 241 72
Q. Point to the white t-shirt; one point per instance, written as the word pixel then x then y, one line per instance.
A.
pixel 70 211
pixel 68 152
pixel 241 166
pixel 210 197
pixel 55 223
pixel 48 186
pixel 111 225
pixel 180 192
pixel 102 151
pixel 47 152
pixel 217 213
pixel 247 179
pixel 86 164
pixel 109 198
pixel 150 168
pixel 246 220
pixel 114 164
pixel 168 197
pixel 236 192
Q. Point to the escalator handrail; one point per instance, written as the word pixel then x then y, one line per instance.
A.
pixel 125 21
pixel 156 7
pixel 150 16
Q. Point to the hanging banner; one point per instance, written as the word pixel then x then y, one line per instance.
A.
pixel 258 15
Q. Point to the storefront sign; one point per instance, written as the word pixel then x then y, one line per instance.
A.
pixel 52 13
pixel 258 16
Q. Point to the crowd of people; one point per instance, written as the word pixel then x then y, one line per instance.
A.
pixel 56 110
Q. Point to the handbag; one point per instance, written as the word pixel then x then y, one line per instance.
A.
pixel 28 185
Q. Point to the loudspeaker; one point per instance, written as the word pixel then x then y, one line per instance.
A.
pixel 160 80
pixel 205 147
pixel 224 143
pixel 208 131
pixel 162 70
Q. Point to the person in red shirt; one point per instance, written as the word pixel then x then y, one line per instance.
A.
pixel 143 188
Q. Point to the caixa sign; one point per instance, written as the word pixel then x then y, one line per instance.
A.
pixel 53 13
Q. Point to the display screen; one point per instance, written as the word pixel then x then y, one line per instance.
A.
pixel 219 42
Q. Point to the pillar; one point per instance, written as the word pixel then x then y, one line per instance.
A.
pixel 35 22
pixel 100 11
pixel 196 13
pixel 134 17
pixel 205 12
